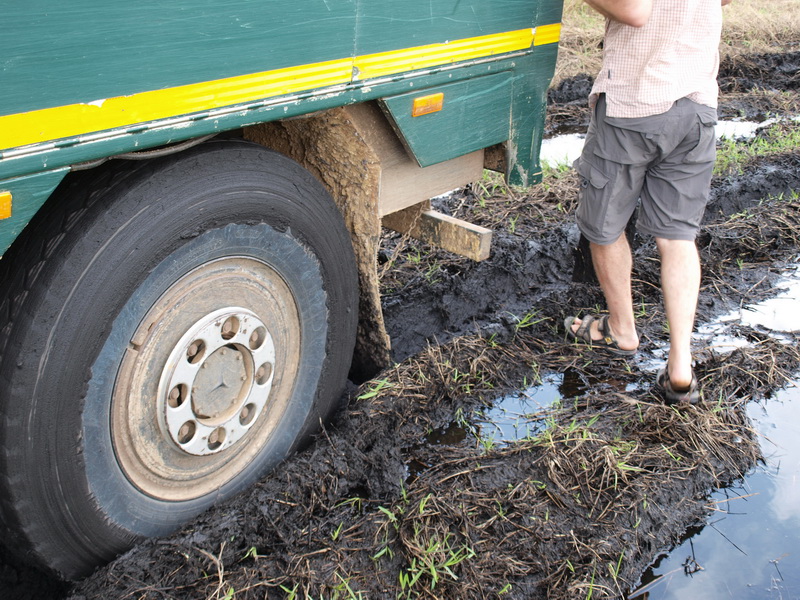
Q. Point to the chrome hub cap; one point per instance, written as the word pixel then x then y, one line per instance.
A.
pixel 216 381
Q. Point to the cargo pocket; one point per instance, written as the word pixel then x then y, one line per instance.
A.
pixel 706 148
pixel 627 146
pixel 590 175
pixel 591 213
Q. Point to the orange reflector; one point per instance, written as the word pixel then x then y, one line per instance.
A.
pixel 425 105
pixel 5 205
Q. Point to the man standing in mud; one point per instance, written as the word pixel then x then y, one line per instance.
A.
pixel 651 142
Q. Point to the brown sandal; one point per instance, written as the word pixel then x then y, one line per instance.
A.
pixel 673 396
pixel 583 335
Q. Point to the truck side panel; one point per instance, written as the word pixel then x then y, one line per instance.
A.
pixel 384 26
pixel 85 81
pixel 84 50
pixel 76 70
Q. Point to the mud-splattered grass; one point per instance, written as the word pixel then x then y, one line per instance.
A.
pixel 573 512
pixel 734 157
pixel 610 478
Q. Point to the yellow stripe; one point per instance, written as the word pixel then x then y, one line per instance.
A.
pixel 422 57
pixel 77 119
pixel 547 34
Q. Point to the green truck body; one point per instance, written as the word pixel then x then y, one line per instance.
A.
pixel 87 84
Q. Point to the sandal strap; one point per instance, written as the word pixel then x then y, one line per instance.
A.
pixel 690 395
pixel 584 329
pixel 605 331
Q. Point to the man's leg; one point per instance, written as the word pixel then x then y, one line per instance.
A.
pixel 680 283
pixel 612 264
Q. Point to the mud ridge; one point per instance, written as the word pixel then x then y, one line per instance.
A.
pixel 753 87
pixel 615 478
pixel 373 509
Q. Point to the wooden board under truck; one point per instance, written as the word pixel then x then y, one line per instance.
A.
pixel 191 198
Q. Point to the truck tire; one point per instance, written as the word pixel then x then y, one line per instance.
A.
pixel 170 332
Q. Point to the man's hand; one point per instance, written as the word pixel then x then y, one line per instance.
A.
pixel 635 13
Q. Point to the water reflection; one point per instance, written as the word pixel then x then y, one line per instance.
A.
pixel 779 315
pixel 750 550
pixel 452 435
pixel 513 417
pixel 520 415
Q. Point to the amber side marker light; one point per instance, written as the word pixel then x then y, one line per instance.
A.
pixel 5 205
pixel 424 105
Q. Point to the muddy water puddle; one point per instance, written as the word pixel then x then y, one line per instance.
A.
pixel 563 149
pixel 521 415
pixel 750 546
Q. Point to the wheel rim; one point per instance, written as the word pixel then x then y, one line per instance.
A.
pixel 216 381
pixel 203 385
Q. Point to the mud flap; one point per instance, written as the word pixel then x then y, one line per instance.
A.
pixel 351 172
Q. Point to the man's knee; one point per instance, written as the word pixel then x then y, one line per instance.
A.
pixel 671 247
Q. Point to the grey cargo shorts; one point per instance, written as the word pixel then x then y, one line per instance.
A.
pixel 665 160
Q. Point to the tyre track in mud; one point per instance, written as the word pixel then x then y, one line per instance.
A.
pixel 284 531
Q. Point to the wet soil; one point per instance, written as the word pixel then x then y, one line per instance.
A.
pixel 375 508
pixel 752 88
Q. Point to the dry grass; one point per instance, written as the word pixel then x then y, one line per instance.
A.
pixel 581 35
pixel 750 26
pixel 758 26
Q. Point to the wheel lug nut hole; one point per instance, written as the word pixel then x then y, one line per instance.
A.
pixel 257 338
pixel 186 432
pixel 216 438
pixel 196 351
pixel 229 328
pixel 263 373
pixel 247 414
pixel 177 396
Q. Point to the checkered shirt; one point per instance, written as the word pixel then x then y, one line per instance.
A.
pixel 675 55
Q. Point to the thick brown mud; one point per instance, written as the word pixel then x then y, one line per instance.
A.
pixel 374 508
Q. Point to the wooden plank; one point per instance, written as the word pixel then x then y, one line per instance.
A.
pixel 430 226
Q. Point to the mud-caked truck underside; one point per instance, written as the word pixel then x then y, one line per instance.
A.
pixel 191 199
